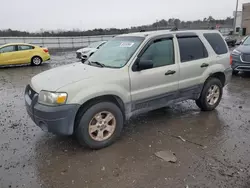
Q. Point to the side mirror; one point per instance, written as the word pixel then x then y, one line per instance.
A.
pixel 144 64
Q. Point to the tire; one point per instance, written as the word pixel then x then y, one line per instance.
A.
pixel 36 61
pixel 235 72
pixel 87 117
pixel 206 104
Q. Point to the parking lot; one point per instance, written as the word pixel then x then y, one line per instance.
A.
pixel 212 151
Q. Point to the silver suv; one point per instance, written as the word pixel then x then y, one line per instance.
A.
pixel 131 74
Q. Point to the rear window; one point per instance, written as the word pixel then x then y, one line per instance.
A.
pixel 217 43
pixel 191 48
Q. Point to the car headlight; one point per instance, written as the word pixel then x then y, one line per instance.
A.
pixel 52 98
pixel 236 52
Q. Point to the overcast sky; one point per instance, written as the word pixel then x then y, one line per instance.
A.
pixel 33 15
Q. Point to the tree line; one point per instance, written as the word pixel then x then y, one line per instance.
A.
pixel 205 23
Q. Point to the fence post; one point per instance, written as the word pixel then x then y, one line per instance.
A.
pixel 89 40
pixel 59 42
pixel 23 39
pixel 72 42
pixel 101 38
pixel 43 42
pixel 4 39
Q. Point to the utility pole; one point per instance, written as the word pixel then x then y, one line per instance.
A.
pixel 235 16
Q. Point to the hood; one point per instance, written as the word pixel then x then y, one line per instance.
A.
pixel 55 78
pixel 86 49
pixel 244 49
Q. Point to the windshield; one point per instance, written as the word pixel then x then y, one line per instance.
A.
pixel 247 41
pixel 117 51
pixel 95 44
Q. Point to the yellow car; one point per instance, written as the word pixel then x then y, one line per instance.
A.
pixel 20 53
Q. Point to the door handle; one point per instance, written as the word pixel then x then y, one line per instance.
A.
pixel 204 65
pixel 170 72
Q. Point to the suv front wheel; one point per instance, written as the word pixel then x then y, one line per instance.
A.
pixel 100 125
pixel 211 95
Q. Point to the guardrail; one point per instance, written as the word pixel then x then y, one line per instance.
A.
pixel 57 42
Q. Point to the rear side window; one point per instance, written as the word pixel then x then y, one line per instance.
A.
pixel 191 48
pixel 25 47
pixel 217 43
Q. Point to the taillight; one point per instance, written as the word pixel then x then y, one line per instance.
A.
pixel 45 50
pixel 231 60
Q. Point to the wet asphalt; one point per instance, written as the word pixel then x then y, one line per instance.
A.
pixel 216 152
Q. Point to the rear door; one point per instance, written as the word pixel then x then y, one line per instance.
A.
pixel 152 88
pixel 193 62
pixel 7 54
pixel 24 54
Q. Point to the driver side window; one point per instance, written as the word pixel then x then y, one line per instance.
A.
pixel 8 49
pixel 160 52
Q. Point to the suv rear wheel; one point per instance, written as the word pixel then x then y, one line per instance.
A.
pixel 100 125
pixel 211 95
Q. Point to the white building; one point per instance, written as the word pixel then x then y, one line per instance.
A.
pixel 238 21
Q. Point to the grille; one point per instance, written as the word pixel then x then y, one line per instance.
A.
pixel 30 92
pixel 246 57
pixel 78 55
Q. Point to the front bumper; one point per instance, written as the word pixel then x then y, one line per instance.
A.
pixel 79 55
pixel 239 65
pixel 55 119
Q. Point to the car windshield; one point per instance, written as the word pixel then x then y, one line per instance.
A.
pixel 247 41
pixel 117 51
pixel 95 44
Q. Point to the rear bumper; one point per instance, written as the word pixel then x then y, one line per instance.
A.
pixel 58 120
pixel 228 75
pixel 46 57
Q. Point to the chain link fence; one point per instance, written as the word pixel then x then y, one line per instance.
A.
pixel 57 42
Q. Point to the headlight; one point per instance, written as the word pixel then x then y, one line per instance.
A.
pixel 236 52
pixel 52 98
pixel 84 52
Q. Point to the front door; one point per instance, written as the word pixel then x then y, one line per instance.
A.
pixel 154 87
pixel 7 55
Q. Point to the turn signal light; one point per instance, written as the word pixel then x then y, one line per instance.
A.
pixel 231 60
